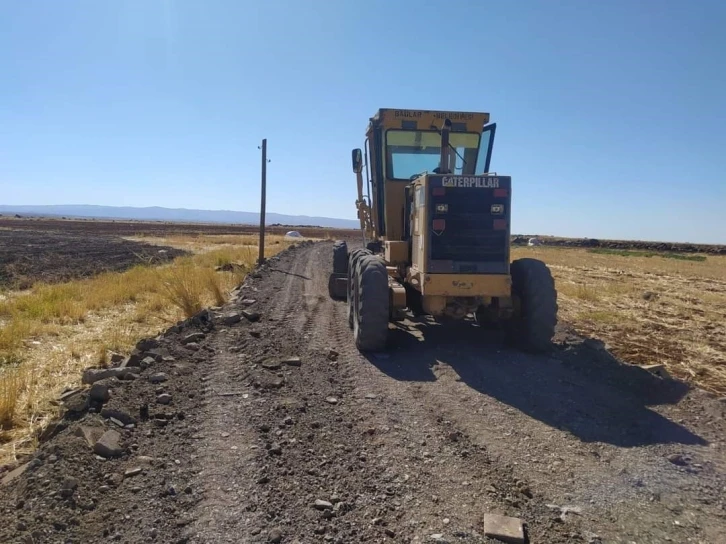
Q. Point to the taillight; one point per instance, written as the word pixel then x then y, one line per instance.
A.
pixel 439 224
pixel 500 193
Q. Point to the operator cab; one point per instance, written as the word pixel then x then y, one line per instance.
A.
pixel 412 153
pixel 402 145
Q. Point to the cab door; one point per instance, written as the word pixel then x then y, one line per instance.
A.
pixel 486 145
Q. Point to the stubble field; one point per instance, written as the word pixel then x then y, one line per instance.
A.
pixel 648 308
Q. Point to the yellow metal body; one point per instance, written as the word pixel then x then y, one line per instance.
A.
pixel 419 240
pixel 398 295
pixel 406 259
pixel 461 285
pixel 364 211
pixel 395 253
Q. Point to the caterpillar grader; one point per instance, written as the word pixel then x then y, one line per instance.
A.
pixel 436 230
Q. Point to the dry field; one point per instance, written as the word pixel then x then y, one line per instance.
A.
pixel 81 306
pixel 668 310
pixel 160 228
pixel 57 317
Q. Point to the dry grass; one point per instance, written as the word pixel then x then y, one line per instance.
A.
pixel 648 310
pixel 183 288
pixel 201 243
pixel 11 387
pixel 49 333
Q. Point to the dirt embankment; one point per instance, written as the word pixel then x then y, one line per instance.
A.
pixel 27 256
pixel 261 422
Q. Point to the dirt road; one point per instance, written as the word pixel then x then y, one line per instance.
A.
pixel 413 446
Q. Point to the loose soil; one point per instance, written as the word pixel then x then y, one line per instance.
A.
pixel 29 255
pixel 424 440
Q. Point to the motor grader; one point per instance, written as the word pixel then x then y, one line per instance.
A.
pixel 436 230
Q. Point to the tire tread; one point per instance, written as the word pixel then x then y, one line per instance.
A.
pixel 340 257
pixel 371 328
pixel 532 281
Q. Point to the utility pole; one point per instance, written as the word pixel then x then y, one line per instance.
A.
pixel 263 196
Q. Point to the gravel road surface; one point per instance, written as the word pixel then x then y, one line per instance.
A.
pixel 277 430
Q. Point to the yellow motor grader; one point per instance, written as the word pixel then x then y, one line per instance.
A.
pixel 436 227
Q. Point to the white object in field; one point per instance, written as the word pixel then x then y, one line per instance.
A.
pixel 293 234
pixel 534 242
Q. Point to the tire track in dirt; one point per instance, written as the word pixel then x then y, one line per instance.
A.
pixel 410 433
pixel 464 479
pixel 285 303
pixel 553 431
pixel 447 426
pixel 324 318
pixel 297 447
pixel 221 452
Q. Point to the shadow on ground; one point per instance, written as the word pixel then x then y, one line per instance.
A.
pixel 579 388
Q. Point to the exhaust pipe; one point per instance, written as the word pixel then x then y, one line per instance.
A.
pixel 445 154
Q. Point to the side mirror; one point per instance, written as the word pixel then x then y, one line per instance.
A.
pixel 357 156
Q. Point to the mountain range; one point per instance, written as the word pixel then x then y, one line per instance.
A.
pixel 181 215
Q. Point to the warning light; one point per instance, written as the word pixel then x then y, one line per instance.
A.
pixel 500 224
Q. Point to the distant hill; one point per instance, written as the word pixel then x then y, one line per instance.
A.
pixel 156 213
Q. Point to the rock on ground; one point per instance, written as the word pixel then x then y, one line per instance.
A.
pixel 504 528
pixel 109 445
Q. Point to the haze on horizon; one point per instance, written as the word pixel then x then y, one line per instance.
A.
pixel 609 115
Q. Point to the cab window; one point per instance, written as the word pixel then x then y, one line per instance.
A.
pixel 413 152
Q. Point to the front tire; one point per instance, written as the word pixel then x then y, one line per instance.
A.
pixel 371 304
pixel 533 325
pixel 352 262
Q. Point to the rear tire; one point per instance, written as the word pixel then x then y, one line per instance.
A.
pixel 533 326
pixel 371 304
pixel 334 289
pixel 352 261
pixel 340 257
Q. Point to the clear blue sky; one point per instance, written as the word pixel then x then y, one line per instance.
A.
pixel 611 115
